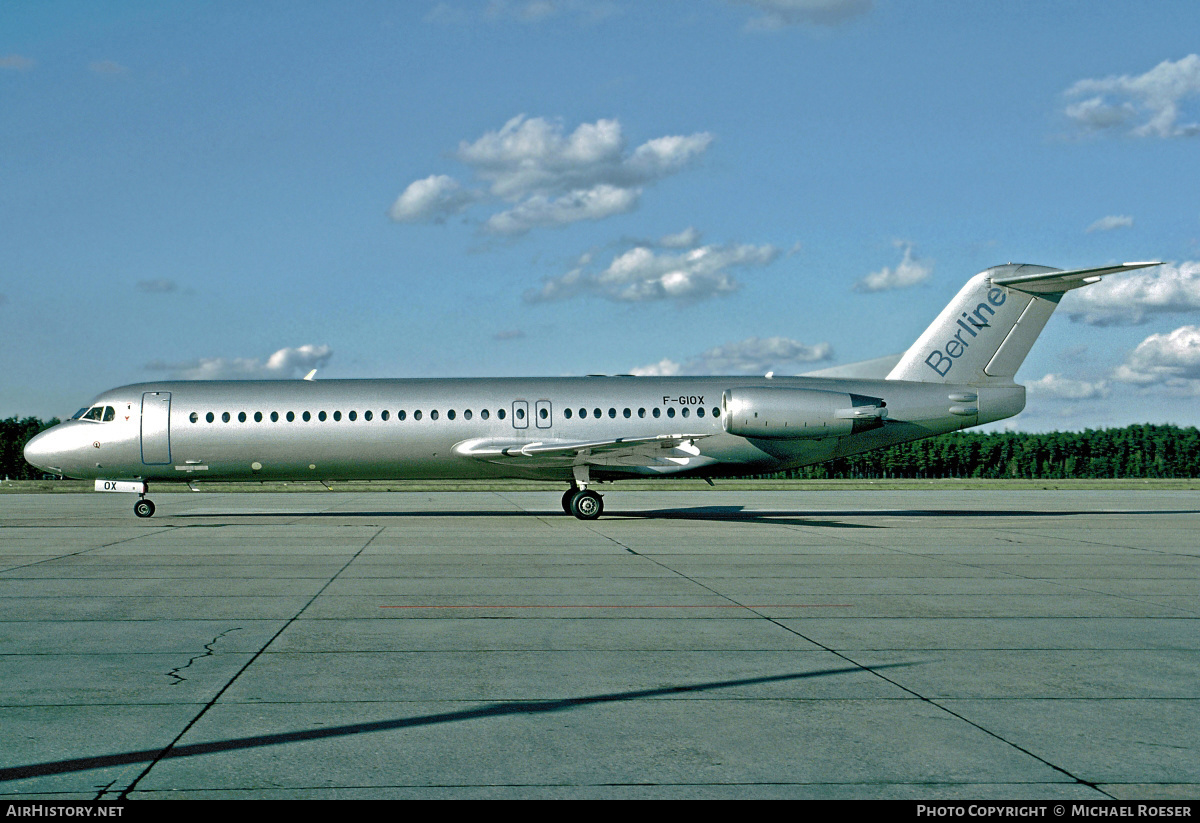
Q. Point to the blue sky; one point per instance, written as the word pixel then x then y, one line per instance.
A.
pixel 563 187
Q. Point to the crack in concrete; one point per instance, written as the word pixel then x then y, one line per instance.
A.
pixel 208 652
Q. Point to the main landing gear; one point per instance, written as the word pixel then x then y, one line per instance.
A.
pixel 584 504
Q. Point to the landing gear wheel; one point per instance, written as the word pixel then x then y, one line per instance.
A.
pixel 567 497
pixel 586 505
pixel 143 508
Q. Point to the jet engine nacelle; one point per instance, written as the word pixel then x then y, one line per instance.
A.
pixel 799 413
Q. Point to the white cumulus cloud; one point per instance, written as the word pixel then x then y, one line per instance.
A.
pixel 1130 299
pixel 161 285
pixel 663 368
pixel 682 240
pixel 548 177
pixel 1055 385
pixel 432 200
pixel 1169 360
pixel 1114 221
pixel 527 12
pixel 910 272
pixel 751 356
pixel 583 204
pixel 106 67
pixel 779 13
pixel 1150 103
pixel 287 363
pixel 16 62
pixel 644 273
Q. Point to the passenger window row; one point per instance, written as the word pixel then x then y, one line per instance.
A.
pixel 627 413
pixel 336 416
pixel 321 416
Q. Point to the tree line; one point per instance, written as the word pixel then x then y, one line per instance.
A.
pixel 1135 451
pixel 1143 450
pixel 14 434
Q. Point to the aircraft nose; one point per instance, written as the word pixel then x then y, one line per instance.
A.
pixel 43 451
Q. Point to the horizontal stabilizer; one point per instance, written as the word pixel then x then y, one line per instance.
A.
pixel 1057 282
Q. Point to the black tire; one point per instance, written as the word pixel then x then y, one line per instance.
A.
pixel 587 505
pixel 143 508
pixel 567 497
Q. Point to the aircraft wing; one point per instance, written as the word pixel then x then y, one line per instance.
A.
pixel 660 450
pixel 1062 281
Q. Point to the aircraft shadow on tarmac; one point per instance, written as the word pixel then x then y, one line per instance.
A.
pixel 507 708
pixel 733 514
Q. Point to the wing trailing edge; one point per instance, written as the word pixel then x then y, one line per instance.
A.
pixel 660 450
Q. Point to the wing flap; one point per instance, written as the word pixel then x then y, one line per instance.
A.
pixel 663 449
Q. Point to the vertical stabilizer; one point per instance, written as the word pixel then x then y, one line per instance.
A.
pixel 982 337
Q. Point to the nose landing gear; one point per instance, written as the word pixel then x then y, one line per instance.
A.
pixel 143 507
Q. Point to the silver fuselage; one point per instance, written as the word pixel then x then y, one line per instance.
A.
pixel 416 429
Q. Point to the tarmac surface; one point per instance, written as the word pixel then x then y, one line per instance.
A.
pixel 914 644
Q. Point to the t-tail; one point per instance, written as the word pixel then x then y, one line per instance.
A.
pixel 982 337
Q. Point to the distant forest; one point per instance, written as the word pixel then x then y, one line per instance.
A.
pixel 14 434
pixel 1134 451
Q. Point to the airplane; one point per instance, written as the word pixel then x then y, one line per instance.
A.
pixel 576 430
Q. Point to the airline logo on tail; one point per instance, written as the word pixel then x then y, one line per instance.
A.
pixel 942 360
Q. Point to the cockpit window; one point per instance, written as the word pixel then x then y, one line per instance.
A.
pixel 97 414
